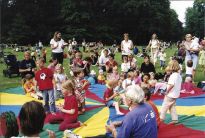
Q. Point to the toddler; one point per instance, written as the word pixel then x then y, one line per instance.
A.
pixel 188 86
pixel 101 77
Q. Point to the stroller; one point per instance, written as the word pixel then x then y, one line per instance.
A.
pixel 12 65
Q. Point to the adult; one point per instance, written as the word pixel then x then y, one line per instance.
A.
pixel 110 64
pixel 126 45
pixel 103 59
pixel 140 122
pixel 192 50
pixel 147 66
pixel 154 45
pixel 27 65
pixel 74 45
pixel 57 46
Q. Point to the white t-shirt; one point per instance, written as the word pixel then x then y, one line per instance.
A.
pixel 154 43
pixel 125 67
pixel 162 56
pixel 189 70
pixel 59 78
pixel 126 45
pixel 127 82
pixel 60 45
pixel 103 60
pixel 176 80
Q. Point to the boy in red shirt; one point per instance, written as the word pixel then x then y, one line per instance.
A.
pixel 44 79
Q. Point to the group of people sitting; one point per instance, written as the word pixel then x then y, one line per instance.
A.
pixel 130 85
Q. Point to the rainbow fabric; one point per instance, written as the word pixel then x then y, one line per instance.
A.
pixel 190 108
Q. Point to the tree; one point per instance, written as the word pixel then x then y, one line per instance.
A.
pixel 195 19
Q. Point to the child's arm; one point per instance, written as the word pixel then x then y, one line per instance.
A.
pixel 71 111
pixel 111 97
pixel 170 86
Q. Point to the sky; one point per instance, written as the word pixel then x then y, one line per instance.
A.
pixel 180 7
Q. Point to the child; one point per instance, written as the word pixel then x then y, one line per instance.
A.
pixel 125 66
pixel 157 87
pixel 59 78
pixel 81 86
pixel 188 86
pixel 137 77
pixel 30 87
pixel 189 69
pixel 114 75
pixel 52 65
pixel 8 125
pixel 129 81
pixel 147 99
pixel 173 92
pixel 77 61
pixel 44 79
pixel 68 115
pixel 94 58
pixel 168 72
pixel 101 77
pixel 162 57
pixel 109 95
pixel 92 77
pixel 145 81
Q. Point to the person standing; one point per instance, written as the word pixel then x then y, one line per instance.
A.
pixel 57 46
pixel 126 45
pixel 154 46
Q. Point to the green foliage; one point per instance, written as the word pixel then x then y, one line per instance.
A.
pixel 195 19
pixel 27 21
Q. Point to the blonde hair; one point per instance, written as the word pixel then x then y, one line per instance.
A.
pixel 112 83
pixel 168 69
pixel 130 74
pixel 174 66
pixel 69 85
pixel 55 36
pixel 59 66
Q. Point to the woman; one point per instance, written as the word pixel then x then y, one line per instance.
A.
pixel 57 46
pixel 192 50
pixel 147 66
pixel 140 122
pixel 126 45
pixel 154 46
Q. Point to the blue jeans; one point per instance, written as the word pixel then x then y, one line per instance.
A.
pixel 49 100
pixel 162 63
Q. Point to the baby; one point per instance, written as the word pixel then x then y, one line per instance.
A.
pixel 157 87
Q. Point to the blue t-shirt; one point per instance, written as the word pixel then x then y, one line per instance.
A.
pixel 139 123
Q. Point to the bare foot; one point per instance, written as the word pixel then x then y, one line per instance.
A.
pixel 120 113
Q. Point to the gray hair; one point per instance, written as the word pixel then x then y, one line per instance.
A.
pixel 135 93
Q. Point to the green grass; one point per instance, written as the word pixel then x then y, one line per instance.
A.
pixel 16 81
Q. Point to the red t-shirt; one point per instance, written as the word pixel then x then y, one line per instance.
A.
pixel 44 79
pixel 111 64
pixel 70 102
pixel 78 62
pixel 108 93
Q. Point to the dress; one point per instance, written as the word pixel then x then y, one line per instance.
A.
pixel 202 57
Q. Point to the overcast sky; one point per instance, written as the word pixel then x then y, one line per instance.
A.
pixel 180 7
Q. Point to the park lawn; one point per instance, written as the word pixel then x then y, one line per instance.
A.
pixel 16 81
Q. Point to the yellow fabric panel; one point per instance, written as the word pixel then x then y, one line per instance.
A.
pixel 95 125
pixel 92 103
pixel 16 99
pixel 189 110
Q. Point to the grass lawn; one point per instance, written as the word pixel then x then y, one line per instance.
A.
pixel 16 81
